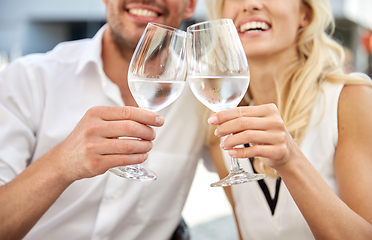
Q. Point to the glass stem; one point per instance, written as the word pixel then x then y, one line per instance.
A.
pixel 235 165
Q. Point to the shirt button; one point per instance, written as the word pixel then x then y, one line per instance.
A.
pixel 111 196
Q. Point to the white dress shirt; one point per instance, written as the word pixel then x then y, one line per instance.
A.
pixel 42 98
pixel 255 218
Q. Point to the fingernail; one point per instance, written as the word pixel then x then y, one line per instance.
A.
pixel 159 120
pixel 222 145
pixel 212 120
pixel 216 132
pixel 233 152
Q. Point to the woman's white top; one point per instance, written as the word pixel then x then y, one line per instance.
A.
pixel 256 220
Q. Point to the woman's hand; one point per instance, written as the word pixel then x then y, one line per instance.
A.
pixel 261 126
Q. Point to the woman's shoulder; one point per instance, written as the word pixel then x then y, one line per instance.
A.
pixel 348 84
pixel 357 90
pixel 356 96
pixel 355 105
pixel 338 102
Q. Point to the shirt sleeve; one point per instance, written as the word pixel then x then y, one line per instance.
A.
pixel 19 116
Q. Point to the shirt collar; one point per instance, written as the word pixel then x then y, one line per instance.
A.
pixel 92 51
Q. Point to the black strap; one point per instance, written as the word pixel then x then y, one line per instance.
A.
pixel 271 201
pixel 181 232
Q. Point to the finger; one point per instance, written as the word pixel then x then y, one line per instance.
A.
pixel 113 113
pixel 241 124
pixel 254 137
pixel 115 160
pixel 115 129
pixel 248 111
pixel 265 151
pixel 125 146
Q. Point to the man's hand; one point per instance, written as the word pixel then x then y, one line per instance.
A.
pixel 95 146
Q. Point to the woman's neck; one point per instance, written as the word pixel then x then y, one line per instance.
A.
pixel 262 85
pixel 267 75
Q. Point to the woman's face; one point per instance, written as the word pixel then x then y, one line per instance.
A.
pixel 267 27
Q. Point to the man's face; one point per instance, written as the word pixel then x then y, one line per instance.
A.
pixel 127 19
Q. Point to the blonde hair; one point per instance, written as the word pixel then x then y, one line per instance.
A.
pixel 320 59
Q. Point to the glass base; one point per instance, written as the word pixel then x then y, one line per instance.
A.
pixel 134 172
pixel 240 177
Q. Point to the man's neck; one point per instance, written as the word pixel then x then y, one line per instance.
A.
pixel 115 65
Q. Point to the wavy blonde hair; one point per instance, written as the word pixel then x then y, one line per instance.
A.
pixel 319 59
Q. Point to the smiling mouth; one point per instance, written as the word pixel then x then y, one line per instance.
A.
pixel 143 12
pixel 251 27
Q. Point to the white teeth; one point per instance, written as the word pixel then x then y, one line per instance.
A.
pixel 142 12
pixel 254 27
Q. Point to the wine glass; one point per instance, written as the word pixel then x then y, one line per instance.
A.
pixel 218 75
pixel 156 77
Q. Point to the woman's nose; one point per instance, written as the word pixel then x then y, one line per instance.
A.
pixel 252 5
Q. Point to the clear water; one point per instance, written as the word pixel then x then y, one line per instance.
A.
pixel 219 92
pixel 153 94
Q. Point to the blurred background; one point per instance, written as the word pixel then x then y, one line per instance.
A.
pixel 36 26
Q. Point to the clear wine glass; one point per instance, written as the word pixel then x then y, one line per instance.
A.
pixel 156 78
pixel 218 75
